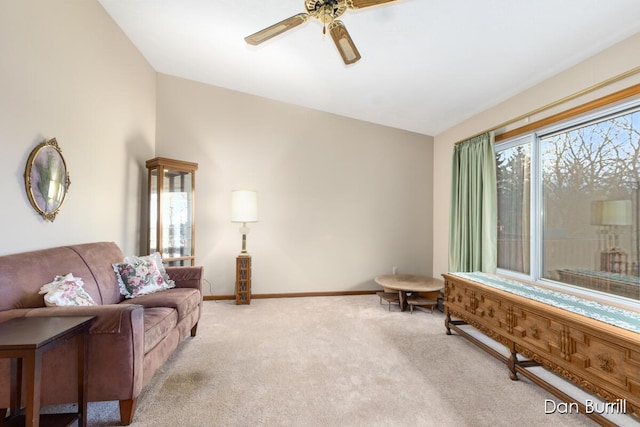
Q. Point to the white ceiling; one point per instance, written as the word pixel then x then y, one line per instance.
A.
pixel 426 65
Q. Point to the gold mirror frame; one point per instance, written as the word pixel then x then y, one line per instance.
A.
pixel 46 179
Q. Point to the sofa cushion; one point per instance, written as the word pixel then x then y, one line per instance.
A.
pixel 158 322
pixel 182 299
pixel 101 284
pixel 22 275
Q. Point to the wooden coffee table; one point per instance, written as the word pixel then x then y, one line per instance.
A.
pixel 24 340
pixel 426 289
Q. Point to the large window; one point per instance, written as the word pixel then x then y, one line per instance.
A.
pixel 568 204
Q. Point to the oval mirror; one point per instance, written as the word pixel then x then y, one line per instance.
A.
pixel 47 179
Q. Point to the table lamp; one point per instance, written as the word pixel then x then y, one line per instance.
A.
pixel 244 209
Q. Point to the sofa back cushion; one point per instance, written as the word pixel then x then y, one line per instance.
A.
pixel 100 257
pixel 22 275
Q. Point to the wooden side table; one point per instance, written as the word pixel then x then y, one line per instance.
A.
pixel 243 279
pixel 24 340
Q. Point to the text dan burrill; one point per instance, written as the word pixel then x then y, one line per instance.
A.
pixel 619 406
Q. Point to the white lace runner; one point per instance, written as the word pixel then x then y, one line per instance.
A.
pixel 605 313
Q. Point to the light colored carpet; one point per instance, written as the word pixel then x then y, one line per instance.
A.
pixel 332 361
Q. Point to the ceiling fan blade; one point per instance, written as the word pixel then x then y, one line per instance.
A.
pixel 343 42
pixel 278 28
pixel 359 4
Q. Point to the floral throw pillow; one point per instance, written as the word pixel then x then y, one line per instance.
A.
pixel 140 277
pixel 66 291
pixel 155 257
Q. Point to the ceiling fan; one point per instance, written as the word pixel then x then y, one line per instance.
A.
pixel 327 12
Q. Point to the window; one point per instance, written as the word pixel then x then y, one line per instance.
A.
pixel 514 198
pixel 568 208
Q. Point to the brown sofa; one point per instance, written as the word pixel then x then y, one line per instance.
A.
pixel 129 339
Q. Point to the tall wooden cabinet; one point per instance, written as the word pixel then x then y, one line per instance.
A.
pixel 172 186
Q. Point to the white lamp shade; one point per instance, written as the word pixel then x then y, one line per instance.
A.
pixel 244 206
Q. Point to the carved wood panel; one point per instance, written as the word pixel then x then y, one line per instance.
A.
pixel 596 356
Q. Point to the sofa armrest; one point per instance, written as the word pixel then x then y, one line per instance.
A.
pixel 186 277
pixel 14 312
pixel 109 318
pixel 116 352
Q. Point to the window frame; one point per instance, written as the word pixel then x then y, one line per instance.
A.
pixel 532 136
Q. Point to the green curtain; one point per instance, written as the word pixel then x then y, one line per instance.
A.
pixel 473 220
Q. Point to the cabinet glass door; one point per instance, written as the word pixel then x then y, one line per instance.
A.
pixel 171 210
pixel 177 215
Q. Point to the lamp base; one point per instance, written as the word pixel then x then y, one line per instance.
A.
pixel 243 279
pixel 614 261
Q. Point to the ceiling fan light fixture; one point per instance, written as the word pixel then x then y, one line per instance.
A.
pixel 326 11
pixel 325 16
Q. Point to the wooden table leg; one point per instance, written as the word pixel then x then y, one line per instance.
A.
pixel 403 300
pixel 82 378
pixel 15 398
pixel 33 367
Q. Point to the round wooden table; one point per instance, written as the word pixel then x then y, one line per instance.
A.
pixel 418 285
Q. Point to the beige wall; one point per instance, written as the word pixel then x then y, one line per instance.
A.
pixel 613 61
pixel 340 200
pixel 68 72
